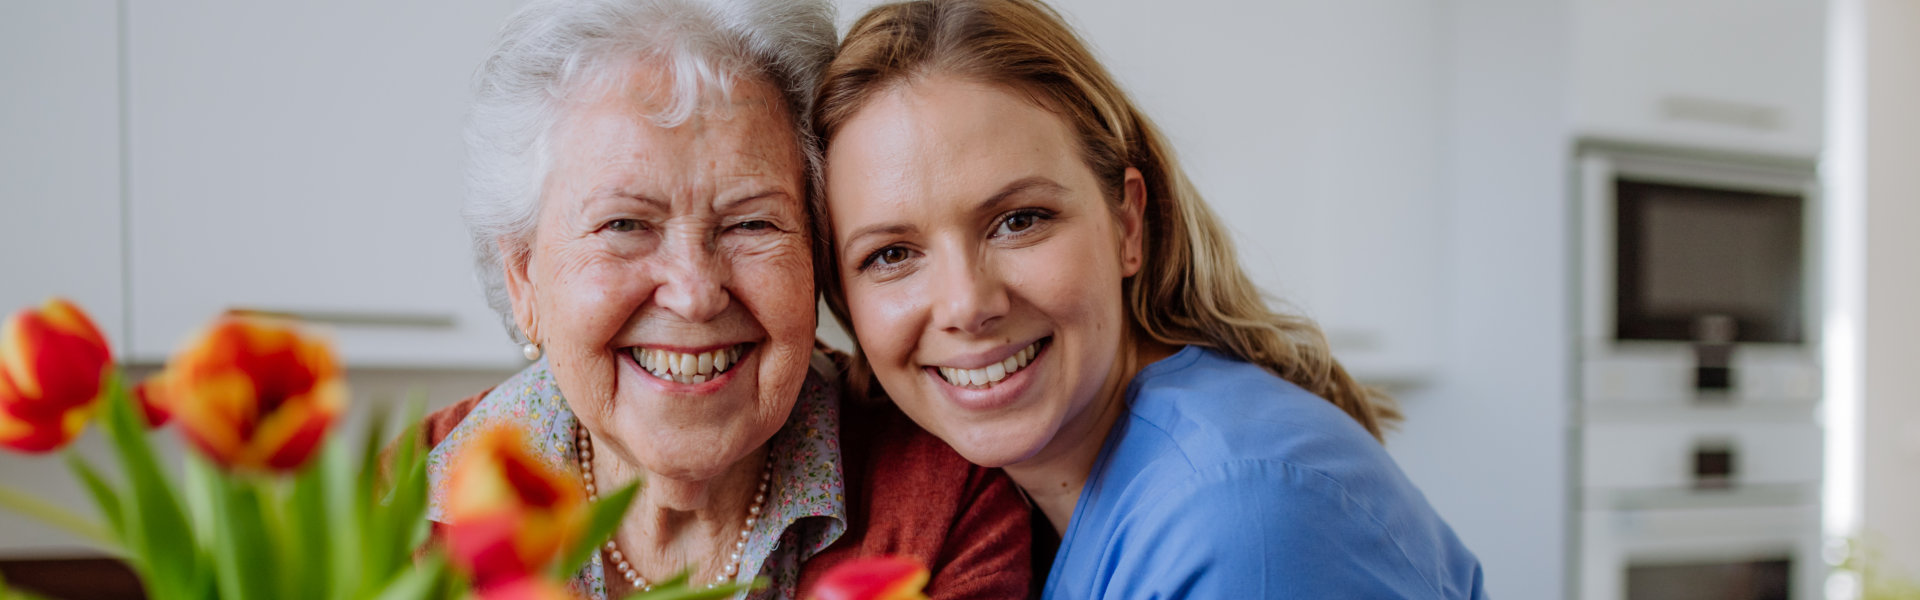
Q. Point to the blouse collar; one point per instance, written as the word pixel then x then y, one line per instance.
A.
pixel 806 504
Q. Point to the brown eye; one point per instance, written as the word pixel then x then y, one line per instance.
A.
pixel 1020 221
pixel 887 257
pixel 623 225
pixel 890 256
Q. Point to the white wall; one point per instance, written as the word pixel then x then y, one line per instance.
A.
pixel 1890 343
pixel 1488 441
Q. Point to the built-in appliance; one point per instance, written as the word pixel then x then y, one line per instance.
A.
pixel 1698 451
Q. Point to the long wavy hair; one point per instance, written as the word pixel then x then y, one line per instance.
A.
pixel 1190 289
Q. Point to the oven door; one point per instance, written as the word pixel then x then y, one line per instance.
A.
pixel 1741 553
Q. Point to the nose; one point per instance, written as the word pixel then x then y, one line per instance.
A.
pixel 693 281
pixel 969 296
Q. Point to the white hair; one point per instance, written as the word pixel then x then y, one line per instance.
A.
pixel 554 50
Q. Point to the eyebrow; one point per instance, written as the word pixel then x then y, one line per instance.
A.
pixel 1034 183
pixel 766 194
pixel 1006 195
pixel 619 193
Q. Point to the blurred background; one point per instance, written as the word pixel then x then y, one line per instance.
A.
pixel 1641 272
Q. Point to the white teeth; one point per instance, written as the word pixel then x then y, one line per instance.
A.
pixel 687 368
pixel 993 373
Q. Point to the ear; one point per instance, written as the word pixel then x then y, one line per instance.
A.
pixel 516 259
pixel 1133 209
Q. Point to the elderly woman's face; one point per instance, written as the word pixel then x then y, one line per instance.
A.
pixel 669 277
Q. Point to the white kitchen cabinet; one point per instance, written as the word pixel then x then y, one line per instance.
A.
pixel 1314 131
pixel 60 221
pixel 305 158
pixel 1728 74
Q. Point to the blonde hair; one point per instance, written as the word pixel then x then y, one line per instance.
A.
pixel 1190 288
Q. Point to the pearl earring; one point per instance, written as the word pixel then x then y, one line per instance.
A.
pixel 530 350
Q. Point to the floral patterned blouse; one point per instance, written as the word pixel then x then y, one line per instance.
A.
pixel 806 504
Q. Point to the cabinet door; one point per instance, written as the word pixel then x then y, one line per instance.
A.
pixel 1319 148
pixel 60 218
pixel 305 157
pixel 1728 74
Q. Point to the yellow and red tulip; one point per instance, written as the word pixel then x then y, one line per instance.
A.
pixel 875 578
pixel 149 396
pixel 527 588
pixel 52 364
pixel 254 393
pixel 508 513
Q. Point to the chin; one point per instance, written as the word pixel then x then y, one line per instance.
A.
pixel 993 446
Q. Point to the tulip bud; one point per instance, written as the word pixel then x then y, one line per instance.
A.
pixel 254 393
pixel 875 578
pixel 508 514
pixel 52 363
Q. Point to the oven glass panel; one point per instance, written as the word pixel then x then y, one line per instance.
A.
pixel 1686 252
pixel 1756 580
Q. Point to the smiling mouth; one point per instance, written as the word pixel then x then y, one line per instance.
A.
pixel 986 377
pixel 680 367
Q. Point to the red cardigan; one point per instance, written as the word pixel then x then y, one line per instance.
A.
pixel 908 494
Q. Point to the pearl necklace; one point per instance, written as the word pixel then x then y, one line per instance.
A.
pixel 583 443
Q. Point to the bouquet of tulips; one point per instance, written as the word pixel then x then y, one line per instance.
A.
pixel 270 507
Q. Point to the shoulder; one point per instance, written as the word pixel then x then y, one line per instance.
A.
pixel 909 494
pixel 900 476
pixel 1226 477
pixel 1267 528
pixel 439 423
pixel 1201 409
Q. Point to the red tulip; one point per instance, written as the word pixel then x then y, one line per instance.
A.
pixel 527 588
pixel 254 393
pixel 876 578
pixel 149 394
pixel 508 514
pixel 52 363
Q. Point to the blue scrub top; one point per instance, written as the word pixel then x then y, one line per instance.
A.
pixel 1224 481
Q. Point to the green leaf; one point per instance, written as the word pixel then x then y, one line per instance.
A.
pixel 155 522
pixel 204 497
pixel 104 496
pixel 57 516
pixel 249 551
pixel 603 517
pixel 421 582
pixel 308 538
pixel 345 502
pixel 395 521
pixel 676 589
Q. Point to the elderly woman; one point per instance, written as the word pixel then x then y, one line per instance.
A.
pixel 640 172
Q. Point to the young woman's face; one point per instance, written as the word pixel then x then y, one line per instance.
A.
pixel 982 264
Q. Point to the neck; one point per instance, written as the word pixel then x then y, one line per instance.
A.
pixel 677 524
pixel 1054 478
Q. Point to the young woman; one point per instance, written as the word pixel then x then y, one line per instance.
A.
pixel 1031 277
